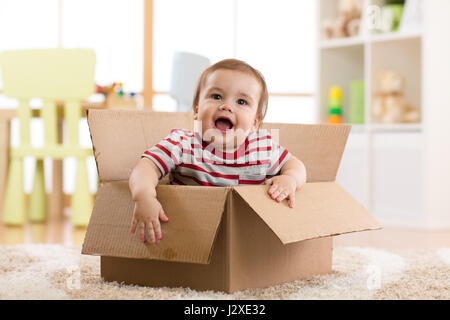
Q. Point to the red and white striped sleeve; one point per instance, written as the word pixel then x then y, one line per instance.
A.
pixel 278 157
pixel 167 154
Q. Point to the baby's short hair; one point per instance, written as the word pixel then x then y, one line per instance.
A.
pixel 236 65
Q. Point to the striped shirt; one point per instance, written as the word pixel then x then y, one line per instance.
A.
pixel 191 161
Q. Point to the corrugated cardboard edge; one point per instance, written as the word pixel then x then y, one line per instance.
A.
pixel 227 222
pixel 93 146
pixel 223 222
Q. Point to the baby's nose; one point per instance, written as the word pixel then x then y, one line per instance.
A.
pixel 225 107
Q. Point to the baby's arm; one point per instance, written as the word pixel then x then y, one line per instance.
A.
pixel 147 209
pixel 291 179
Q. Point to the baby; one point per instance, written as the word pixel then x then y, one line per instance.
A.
pixel 226 148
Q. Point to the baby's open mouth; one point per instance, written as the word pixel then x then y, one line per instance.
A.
pixel 223 124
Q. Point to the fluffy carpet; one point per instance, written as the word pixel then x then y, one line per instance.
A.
pixel 58 272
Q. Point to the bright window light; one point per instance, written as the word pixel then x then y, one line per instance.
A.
pixel 28 24
pixel 203 27
pixel 276 37
pixel 114 29
pixel 279 39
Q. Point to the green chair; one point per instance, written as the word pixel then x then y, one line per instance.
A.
pixel 53 75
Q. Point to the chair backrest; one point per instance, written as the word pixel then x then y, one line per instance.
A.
pixel 186 69
pixel 54 74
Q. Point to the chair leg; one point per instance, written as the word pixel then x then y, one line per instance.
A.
pixel 38 200
pixel 82 202
pixel 4 159
pixel 14 206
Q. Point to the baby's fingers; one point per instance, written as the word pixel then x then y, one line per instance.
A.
pixel 157 229
pixel 283 194
pixel 151 231
pixel 142 231
pixel 291 200
pixel 162 216
pixel 274 191
pixel 133 225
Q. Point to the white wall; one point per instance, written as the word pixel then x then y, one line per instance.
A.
pixel 437 115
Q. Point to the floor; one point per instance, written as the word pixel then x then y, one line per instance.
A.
pixel 55 231
pixel 60 231
pixel 396 238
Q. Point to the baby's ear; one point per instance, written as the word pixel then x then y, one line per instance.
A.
pixel 196 113
pixel 256 123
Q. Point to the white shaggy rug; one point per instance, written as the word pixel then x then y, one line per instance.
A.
pixel 59 272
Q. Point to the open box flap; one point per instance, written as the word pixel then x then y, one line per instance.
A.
pixel 318 146
pixel 120 137
pixel 188 236
pixel 321 209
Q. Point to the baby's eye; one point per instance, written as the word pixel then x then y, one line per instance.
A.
pixel 242 102
pixel 216 96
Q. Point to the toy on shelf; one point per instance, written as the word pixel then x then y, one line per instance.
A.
pixel 335 105
pixel 356 110
pixel 117 98
pixel 391 15
pixel 347 23
pixel 389 104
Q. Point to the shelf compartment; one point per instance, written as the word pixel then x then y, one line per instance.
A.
pixel 404 57
pixel 339 66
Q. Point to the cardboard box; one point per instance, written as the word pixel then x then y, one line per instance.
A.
pixel 218 238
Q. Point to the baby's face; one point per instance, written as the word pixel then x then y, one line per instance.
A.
pixel 227 108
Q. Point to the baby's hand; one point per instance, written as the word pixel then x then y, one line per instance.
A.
pixel 146 215
pixel 282 186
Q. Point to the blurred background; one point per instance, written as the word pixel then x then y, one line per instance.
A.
pixel 381 66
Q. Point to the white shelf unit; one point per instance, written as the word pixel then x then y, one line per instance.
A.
pixel 373 38
pixel 389 167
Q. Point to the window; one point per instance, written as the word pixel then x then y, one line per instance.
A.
pixel 22 28
pixel 113 28
pixel 26 24
pixel 276 37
